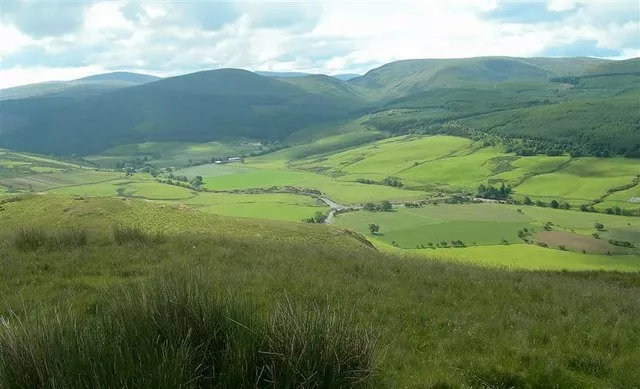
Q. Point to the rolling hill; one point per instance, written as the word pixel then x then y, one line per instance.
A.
pixel 198 107
pixel 405 77
pixel 80 88
pixel 510 97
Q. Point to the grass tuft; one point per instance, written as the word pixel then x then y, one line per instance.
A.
pixel 32 239
pixel 29 239
pixel 177 332
pixel 68 239
pixel 128 235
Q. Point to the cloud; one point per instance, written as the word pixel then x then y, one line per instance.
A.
pixel 585 48
pixel 173 37
pixel 529 12
pixel 42 18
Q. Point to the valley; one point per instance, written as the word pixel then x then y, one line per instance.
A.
pixel 480 214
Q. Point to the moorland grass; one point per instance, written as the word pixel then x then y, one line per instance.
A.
pixel 441 324
pixel 179 333
pixel 26 239
pixel 132 235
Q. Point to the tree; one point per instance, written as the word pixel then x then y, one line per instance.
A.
pixel 374 228
pixel 197 181
pixel 319 217
pixel 541 203
pixel 565 205
pixel 599 226
pixel 120 191
pixel 527 200
pixel 386 206
pixel 369 207
pixel 555 204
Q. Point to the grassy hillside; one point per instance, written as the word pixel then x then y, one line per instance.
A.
pixel 500 95
pixel 80 88
pixel 203 106
pixel 452 315
pixel 410 76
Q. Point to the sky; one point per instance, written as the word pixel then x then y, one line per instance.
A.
pixel 45 40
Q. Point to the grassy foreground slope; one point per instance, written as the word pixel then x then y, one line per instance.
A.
pixel 440 324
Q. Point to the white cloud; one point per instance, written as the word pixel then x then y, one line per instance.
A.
pixel 22 76
pixel 562 5
pixel 12 40
pixel 320 36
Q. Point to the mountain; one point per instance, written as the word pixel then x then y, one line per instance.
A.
pixel 342 77
pixel 616 67
pixel 346 76
pixel 326 85
pixel 499 95
pixel 133 78
pixel 197 107
pixel 80 88
pixel 402 78
pixel 282 74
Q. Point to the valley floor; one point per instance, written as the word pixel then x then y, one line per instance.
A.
pixel 428 170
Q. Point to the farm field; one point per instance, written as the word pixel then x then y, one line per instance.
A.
pixel 582 180
pixel 46 181
pixel 627 199
pixel 384 158
pixel 273 206
pixel 130 188
pixel 171 154
pixel 414 305
pixel 532 257
pixel 498 227
pixel 347 192
pixel 282 158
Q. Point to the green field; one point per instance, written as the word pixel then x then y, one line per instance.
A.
pixel 45 181
pixel 347 192
pixel 582 180
pixel 495 227
pixel 532 257
pixel 386 157
pixel 274 206
pixel 172 154
pixel 413 304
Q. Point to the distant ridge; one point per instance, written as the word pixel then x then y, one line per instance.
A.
pixel 505 95
pixel 79 88
pixel 136 78
pixel 343 77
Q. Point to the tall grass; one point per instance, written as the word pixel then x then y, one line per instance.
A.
pixel 177 333
pixel 123 235
pixel 31 239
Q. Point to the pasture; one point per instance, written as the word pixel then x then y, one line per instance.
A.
pixel 273 206
pixel 531 257
pixel 346 192
pixel 172 154
pixel 582 180
pixel 45 181
pixel 414 305
pixel 439 227
pixel 384 158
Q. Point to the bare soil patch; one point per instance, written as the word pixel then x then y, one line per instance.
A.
pixel 577 242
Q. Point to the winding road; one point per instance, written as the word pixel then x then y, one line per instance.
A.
pixel 335 207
